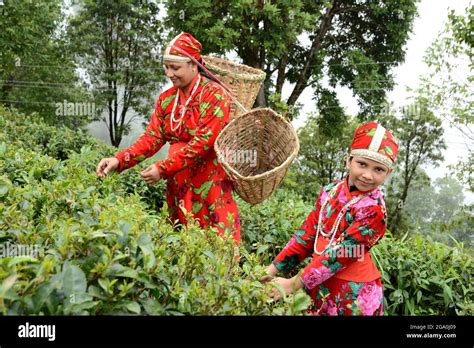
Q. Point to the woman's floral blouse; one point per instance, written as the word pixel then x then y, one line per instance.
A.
pixel 196 182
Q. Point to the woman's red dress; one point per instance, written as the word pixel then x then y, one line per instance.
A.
pixel 196 182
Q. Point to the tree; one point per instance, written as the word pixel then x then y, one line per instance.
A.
pixel 464 171
pixel 449 198
pixel 420 140
pixel 429 206
pixel 36 66
pixel 460 226
pixel 419 206
pixel 322 157
pixel 355 43
pixel 450 81
pixel 119 43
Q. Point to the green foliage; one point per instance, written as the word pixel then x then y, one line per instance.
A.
pixel 98 248
pixel 448 85
pixel 451 60
pixel 420 142
pixel 373 32
pixel 277 104
pixel 266 227
pixel 422 277
pixel 434 209
pixel 56 142
pixel 463 171
pixel 457 229
pixel 322 156
pixel 36 66
pixel 449 197
pixel 117 43
pixel 332 120
pixel 102 248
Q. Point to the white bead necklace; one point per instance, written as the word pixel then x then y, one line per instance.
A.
pixel 333 231
pixel 177 123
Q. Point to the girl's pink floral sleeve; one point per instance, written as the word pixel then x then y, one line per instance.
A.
pixel 301 244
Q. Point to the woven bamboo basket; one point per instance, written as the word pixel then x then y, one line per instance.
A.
pixel 243 81
pixel 256 150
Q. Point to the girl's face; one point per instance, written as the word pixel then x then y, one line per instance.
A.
pixel 366 174
pixel 180 73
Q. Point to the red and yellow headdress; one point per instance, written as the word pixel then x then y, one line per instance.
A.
pixel 182 47
pixel 374 142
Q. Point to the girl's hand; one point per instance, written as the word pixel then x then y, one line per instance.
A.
pixel 151 175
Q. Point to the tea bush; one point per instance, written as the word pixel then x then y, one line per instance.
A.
pixel 103 249
pixel 423 277
pixel 34 134
pixel 107 247
pixel 420 276
pixel 118 259
pixel 78 149
pixel 269 226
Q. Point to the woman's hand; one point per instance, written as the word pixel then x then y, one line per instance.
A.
pixel 272 271
pixel 107 165
pixel 151 175
pixel 288 285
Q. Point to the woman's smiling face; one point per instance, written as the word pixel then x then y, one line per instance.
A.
pixel 366 174
pixel 180 73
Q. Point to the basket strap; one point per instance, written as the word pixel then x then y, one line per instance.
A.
pixel 231 95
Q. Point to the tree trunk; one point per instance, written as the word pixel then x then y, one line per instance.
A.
pixel 315 46
pixel 408 176
pixel 281 73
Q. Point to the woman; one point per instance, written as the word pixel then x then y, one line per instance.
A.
pixel 189 116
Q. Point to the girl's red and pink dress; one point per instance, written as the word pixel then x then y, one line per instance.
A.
pixel 341 277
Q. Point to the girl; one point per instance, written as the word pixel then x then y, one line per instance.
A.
pixel 189 116
pixel 349 218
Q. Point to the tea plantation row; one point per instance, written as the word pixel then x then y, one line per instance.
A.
pixel 105 246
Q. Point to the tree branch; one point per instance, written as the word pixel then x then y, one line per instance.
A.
pixel 281 73
pixel 315 46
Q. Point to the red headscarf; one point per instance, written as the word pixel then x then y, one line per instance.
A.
pixel 182 47
pixel 374 142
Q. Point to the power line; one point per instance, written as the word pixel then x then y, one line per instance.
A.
pixel 41 83
pixel 78 67
pixel 52 85
pixel 26 102
pixel 312 65
pixel 135 88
